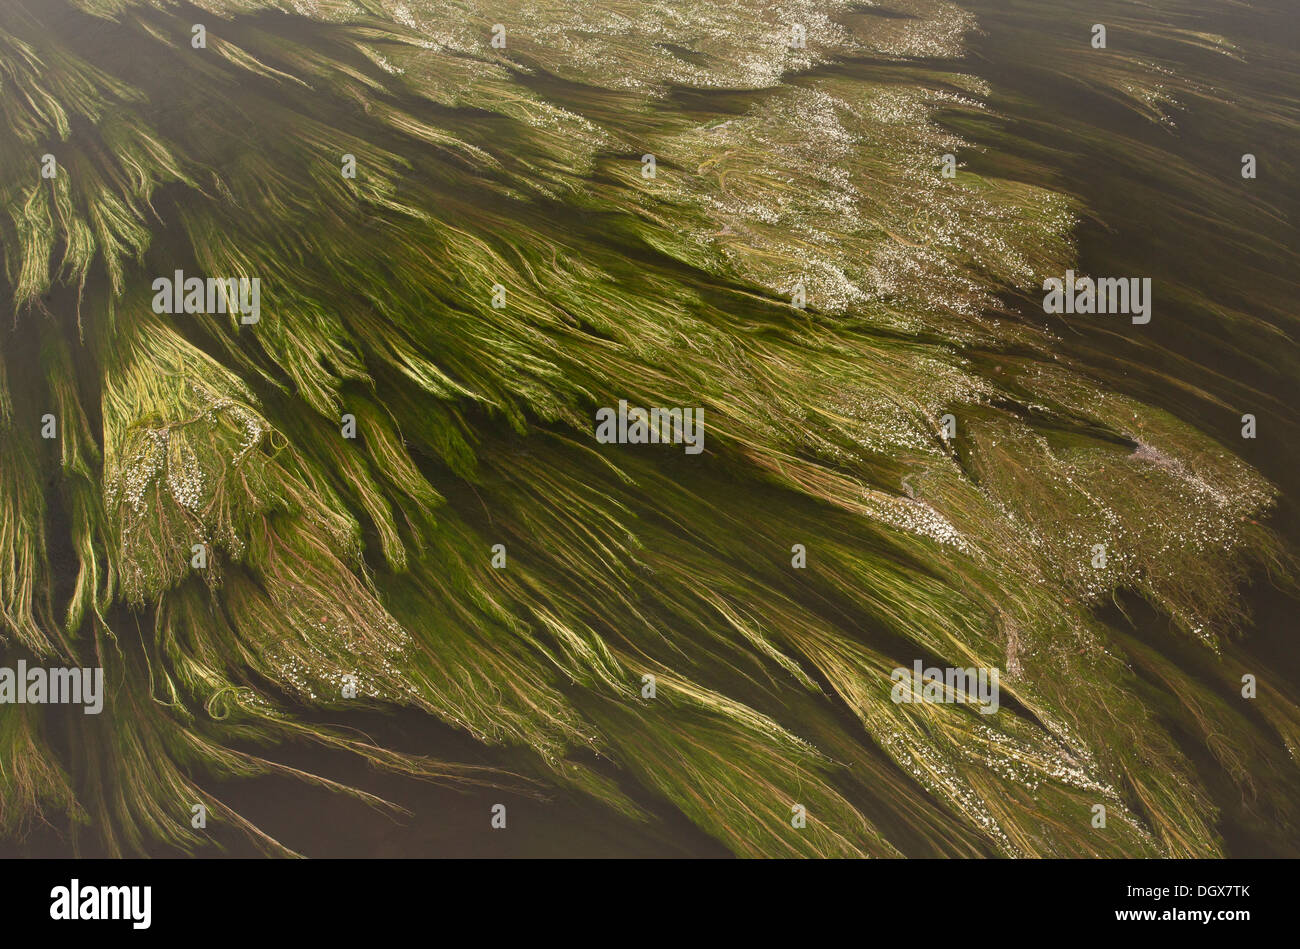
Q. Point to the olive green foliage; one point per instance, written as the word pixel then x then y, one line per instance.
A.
pixel 329 557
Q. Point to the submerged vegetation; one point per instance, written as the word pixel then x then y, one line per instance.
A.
pixel 514 175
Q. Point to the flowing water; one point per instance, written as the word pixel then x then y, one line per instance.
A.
pixel 780 171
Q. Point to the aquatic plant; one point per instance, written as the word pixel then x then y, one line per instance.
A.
pixel 202 526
